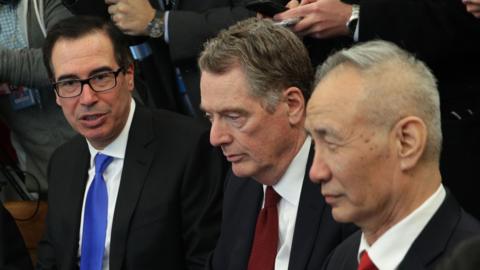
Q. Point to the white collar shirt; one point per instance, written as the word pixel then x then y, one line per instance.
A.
pixel 389 250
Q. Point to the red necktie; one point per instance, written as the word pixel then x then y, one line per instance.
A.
pixel 366 263
pixel 264 249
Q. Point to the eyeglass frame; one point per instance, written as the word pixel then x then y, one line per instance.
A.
pixel 87 81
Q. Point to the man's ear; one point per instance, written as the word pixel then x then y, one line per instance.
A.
pixel 57 99
pixel 295 101
pixel 411 139
pixel 129 75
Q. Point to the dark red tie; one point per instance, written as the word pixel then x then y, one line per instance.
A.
pixel 366 263
pixel 264 249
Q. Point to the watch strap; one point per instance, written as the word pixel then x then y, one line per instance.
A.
pixel 155 27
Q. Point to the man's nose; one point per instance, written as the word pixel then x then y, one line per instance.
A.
pixel 319 171
pixel 219 134
pixel 87 96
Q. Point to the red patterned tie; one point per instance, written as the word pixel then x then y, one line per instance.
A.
pixel 366 263
pixel 264 249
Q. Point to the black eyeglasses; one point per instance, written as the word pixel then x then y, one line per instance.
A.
pixel 99 82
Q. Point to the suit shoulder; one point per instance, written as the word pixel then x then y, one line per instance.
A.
pixel 73 145
pixel 467 227
pixel 344 255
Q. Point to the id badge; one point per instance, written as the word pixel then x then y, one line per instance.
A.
pixel 22 97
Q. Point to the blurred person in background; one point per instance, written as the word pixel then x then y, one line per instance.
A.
pixel 27 100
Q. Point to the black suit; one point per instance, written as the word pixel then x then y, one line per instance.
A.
pixel 168 207
pixel 447 228
pixel 13 253
pixel 316 233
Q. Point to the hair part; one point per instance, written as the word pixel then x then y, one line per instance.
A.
pixel 76 27
pixel 396 85
pixel 272 57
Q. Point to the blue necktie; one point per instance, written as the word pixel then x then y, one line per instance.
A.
pixel 95 218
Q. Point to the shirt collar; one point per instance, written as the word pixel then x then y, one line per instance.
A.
pixel 118 147
pixel 290 184
pixel 390 249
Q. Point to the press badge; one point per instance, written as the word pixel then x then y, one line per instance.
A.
pixel 23 97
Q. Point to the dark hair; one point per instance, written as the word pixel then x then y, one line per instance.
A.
pixel 80 26
pixel 272 57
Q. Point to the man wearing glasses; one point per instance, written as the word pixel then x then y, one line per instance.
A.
pixel 139 189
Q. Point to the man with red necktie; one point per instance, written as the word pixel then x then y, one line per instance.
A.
pixel 256 78
pixel 375 119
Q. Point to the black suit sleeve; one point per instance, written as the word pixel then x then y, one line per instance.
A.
pixel 46 252
pixel 202 192
pixel 437 31
pixel 191 25
pixel 13 253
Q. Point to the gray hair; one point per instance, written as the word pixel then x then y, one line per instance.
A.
pixel 397 85
pixel 272 57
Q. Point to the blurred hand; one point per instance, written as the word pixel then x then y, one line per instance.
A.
pixel 320 18
pixel 131 16
pixel 473 6
pixel 4 88
pixel 292 4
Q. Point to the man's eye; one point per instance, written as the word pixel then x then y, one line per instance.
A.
pixel 67 83
pixel 236 120
pixel 233 116
pixel 332 146
pixel 100 77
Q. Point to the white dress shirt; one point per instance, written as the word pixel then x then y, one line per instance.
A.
pixel 289 188
pixel 389 250
pixel 112 176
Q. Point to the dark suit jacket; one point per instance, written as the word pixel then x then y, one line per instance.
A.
pixel 168 208
pixel 315 235
pixel 447 228
pixel 13 253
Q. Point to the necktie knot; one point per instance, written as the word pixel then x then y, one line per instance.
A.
pixel 366 263
pixel 101 162
pixel 271 197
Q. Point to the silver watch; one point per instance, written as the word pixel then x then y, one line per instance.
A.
pixel 155 27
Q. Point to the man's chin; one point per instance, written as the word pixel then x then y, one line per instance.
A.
pixel 96 138
pixel 240 170
pixel 340 215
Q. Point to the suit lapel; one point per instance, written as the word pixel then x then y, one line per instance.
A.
pixel 78 173
pixel 310 211
pixel 250 194
pixel 138 159
pixel 434 238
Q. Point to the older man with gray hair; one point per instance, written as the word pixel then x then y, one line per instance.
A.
pixel 256 78
pixel 375 120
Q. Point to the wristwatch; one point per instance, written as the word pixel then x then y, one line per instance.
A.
pixel 155 27
pixel 353 20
